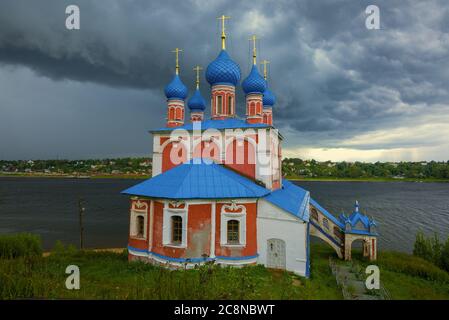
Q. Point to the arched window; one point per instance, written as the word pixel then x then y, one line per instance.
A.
pixel 252 109
pixel 230 105
pixel 219 105
pixel 314 214
pixel 178 114
pixel 140 226
pixel 326 223
pixel 176 227
pixel 338 233
pixel 233 232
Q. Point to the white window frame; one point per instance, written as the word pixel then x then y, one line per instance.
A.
pixel 240 217
pixel 230 105
pixel 220 108
pixel 167 227
pixel 133 232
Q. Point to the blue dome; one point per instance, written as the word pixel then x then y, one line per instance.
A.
pixel 176 89
pixel 268 98
pixel 223 70
pixel 254 83
pixel 197 102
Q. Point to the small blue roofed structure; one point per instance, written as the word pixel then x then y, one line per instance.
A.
pixel 358 223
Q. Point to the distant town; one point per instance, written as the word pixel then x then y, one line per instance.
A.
pixel 292 168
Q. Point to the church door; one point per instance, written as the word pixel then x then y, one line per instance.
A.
pixel 276 253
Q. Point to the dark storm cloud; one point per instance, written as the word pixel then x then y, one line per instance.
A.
pixel 333 78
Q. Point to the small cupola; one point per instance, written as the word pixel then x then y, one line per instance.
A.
pixel 223 74
pixel 254 86
pixel 176 92
pixel 196 103
pixel 268 99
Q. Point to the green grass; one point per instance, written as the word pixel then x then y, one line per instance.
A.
pixel 20 245
pixel 107 275
pixel 407 277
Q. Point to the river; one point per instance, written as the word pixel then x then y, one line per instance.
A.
pixel 49 207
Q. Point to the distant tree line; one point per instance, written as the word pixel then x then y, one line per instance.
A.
pixel 294 167
pixel 291 168
pixel 91 166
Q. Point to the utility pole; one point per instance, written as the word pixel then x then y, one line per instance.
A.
pixel 81 214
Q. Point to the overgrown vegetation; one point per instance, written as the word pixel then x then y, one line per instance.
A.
pixel 432 249
pixel 407 277
pixel 107 275
pixel 24 245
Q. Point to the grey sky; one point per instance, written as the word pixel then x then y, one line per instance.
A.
pixel 343 92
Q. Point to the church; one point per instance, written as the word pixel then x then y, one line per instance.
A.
pixel 217 191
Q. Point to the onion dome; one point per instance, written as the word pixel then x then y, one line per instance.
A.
pixel 254 83
pixel 268 98
pixel 223 70
pixel 197 102
pixel 176 89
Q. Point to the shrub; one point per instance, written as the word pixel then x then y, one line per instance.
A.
pixel 61 250
pixel 20 245
pixel 432 250
pixel 437 248
pixel 445 256
pixel 422 247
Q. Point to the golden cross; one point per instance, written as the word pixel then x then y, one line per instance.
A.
pixel 223 34
pixel 253 39
pixel 265 73
pixel 197 69
pixel 177 51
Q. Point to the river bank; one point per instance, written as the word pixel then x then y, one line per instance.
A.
pixel 143 177
pixel 109 275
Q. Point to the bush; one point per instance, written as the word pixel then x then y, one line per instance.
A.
pixel 20 245
pixel 432 250
pixel 445 256
pixel 422 247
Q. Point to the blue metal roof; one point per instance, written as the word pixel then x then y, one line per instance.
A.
pixel 197 102
pixel 198 179
pixel 176 89
pixel 254 83
pixel 223 70
pixel 292 199
pixel 329 215
pixel 357 216
pixel 232 123
pixel 268 98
